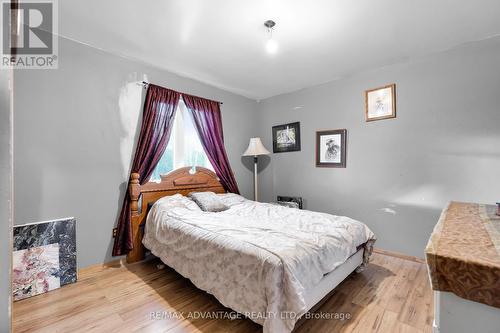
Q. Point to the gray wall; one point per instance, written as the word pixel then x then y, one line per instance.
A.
pixel 74 132
pixel 444 144
pixel 5 200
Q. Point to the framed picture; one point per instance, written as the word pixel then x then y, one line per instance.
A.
pixel 380 103
pixel 331 148
pixel 286 138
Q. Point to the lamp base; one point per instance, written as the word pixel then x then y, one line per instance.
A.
pixel 255 181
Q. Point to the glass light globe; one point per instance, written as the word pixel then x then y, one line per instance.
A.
pixel 271 46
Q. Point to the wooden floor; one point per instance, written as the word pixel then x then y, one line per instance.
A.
pixel 391 295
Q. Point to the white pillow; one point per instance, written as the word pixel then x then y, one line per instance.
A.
pixel 208 201
pixel 177 200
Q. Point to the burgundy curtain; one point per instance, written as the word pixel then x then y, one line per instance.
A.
pixel 208 121
pixel 157 119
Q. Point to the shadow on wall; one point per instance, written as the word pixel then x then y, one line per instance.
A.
pixel 403 228
pixel 264 161
pixel 394 223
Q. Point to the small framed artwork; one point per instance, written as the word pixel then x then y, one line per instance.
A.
pixel 380 103
pixel 331 148
pixel 286 138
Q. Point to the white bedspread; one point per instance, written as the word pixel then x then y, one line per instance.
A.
pixel 257 259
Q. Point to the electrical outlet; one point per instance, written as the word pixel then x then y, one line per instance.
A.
pixel 115 232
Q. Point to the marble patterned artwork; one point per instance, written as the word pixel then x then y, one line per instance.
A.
pixel 44 257
pixel 35 271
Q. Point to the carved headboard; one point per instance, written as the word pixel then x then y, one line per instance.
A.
pixel 178 181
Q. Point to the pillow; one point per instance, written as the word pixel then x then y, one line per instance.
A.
pixel 177 200
pixel 231 199
pixel 208 201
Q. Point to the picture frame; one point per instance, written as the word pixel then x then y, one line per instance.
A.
pixel 286 137
pixel 331 148
pixel 380 103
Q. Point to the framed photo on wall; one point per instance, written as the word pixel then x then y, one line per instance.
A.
pixel 331 148
pixel 286 138
pixel 380 103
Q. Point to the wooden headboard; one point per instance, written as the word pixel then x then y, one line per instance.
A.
pixel 178 181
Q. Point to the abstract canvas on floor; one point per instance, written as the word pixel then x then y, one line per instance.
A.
pixel 44 257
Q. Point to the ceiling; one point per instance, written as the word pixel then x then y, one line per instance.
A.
pixel 221 42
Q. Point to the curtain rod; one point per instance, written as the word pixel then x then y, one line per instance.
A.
pixel 146 84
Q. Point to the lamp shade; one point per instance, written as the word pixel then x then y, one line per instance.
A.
pixel 255 148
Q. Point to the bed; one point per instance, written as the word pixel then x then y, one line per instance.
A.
pixel 270 263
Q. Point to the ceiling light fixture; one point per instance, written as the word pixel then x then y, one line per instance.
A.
pixel 271 45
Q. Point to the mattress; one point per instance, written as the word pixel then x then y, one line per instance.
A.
pixel 333 279
pixel 258 259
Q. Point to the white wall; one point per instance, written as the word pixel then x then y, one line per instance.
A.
pixel 444 144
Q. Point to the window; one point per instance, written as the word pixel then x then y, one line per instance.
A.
pixel 184 147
